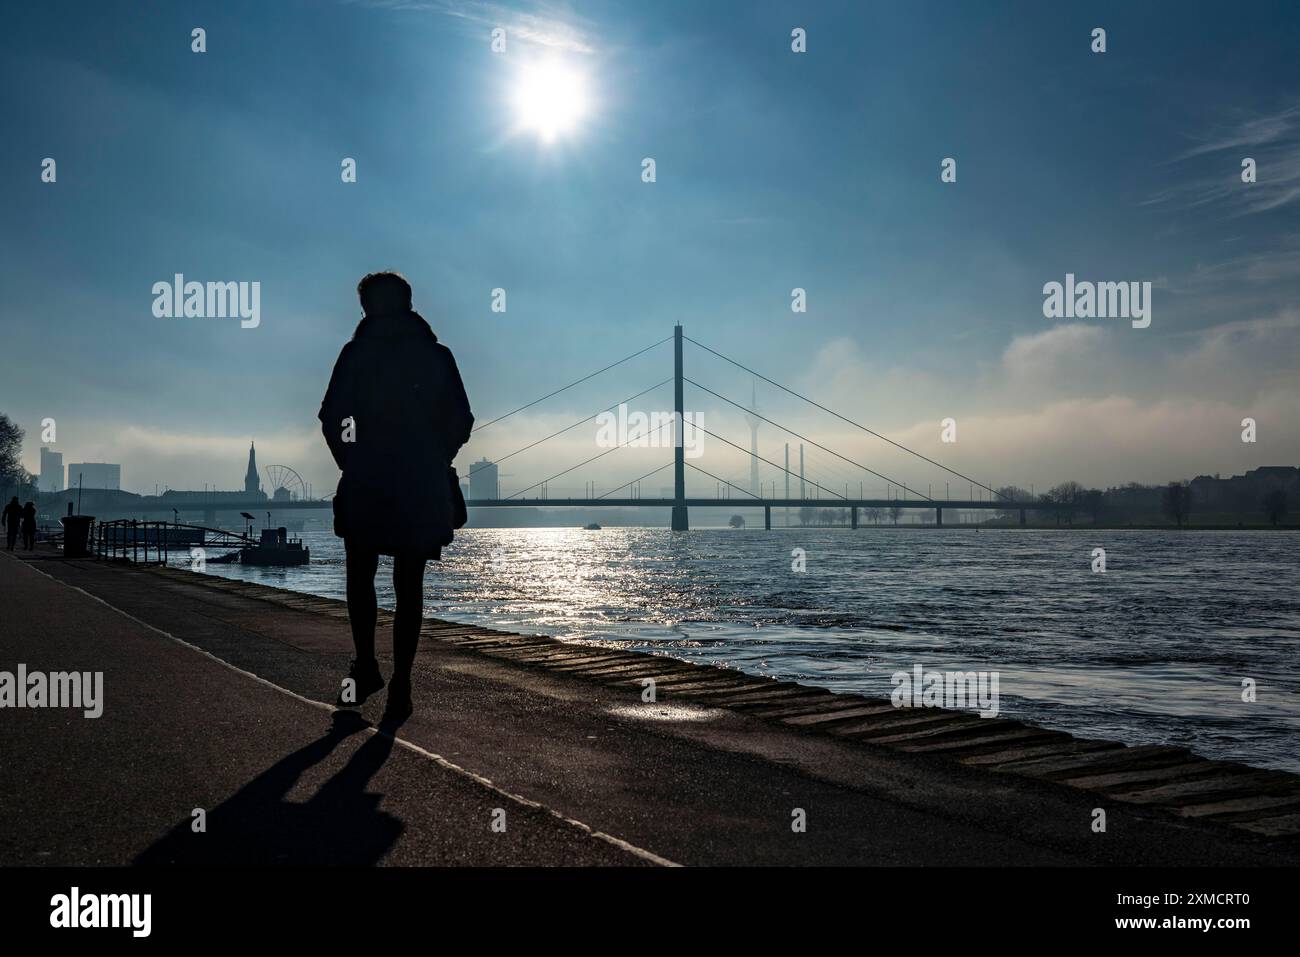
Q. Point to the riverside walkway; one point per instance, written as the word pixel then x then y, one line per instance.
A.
pixel 524 750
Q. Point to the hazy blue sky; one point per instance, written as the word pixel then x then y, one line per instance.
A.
pixel 774 170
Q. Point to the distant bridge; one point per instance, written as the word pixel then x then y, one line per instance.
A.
pixel 767 504
pixel 680 502
pixel 910 499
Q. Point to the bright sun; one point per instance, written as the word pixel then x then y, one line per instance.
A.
pixel 550 98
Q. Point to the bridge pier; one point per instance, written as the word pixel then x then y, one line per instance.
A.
pixel 1022 516
pixel 938 516
pixel 680 521
pixel 853 517
pixel 767 518
pixel 210 517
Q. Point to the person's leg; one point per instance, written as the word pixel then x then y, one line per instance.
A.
pixel 363 608
pixel 408 587
pixel 364 678
pixel 408 615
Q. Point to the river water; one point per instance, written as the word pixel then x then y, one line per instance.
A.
pixel 1153 650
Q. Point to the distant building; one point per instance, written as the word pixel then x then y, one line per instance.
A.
pixel 51 479
pixel 252 490
pixel 176 497
pixel 94 475
pixel 1244 493
pixel 483 481
pixel 251 484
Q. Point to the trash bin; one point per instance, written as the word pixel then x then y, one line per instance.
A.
pixel 76 532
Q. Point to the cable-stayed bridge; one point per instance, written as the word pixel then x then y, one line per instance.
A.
pixel 901 494
pixel 680 502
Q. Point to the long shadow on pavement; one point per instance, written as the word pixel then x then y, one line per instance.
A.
pixel 340 824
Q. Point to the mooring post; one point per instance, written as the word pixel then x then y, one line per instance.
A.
pixel 680 521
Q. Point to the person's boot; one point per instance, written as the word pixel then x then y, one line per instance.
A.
pixel 366 680
pixel 398 707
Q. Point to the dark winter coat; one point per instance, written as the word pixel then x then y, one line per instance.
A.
pixel 410 416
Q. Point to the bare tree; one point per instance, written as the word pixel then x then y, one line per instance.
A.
pixel 1066 499
pixel 1094 502
pixel 895 512
pixel 1275 505
pixel 12 473
pixel 1011 493
pixel 1176 501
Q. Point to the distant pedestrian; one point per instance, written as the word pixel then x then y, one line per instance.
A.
pixel 395 415
pixel 29 526
pixel 11 518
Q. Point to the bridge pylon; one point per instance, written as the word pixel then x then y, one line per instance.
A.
pixel 680 523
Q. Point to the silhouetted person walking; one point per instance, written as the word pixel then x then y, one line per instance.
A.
pixel 11 518
pixel 29 526
pixel 395 415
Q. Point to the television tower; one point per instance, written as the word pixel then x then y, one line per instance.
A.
pixel 751 417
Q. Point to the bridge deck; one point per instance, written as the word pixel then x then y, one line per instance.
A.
pixel 624 502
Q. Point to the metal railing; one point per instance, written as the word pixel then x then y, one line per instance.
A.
pixel 132 540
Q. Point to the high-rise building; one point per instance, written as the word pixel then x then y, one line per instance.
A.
pixel 251 484
pixel 94 475
pixel 483 481
pixel 51 479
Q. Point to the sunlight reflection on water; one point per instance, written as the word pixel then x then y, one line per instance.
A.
pixel 1153 650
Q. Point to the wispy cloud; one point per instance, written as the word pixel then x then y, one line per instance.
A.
pixel 1272 141
pixel 1260 269
pixel 1256 131
pixel 548 26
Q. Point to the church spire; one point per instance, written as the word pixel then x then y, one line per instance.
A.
pixel 251 485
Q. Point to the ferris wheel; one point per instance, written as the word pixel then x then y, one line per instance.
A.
pixel 283 477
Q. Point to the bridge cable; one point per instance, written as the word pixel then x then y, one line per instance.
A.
pixel 806 481
pixel 902 485
pixel 635 480
pixel 725 482
pixel 857 425
pixel 570 385
pixel 592 459
pixel 568 427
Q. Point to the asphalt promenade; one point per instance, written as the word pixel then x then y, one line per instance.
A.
pixel 217 708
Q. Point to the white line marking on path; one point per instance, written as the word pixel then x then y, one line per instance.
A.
pixel 409 745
